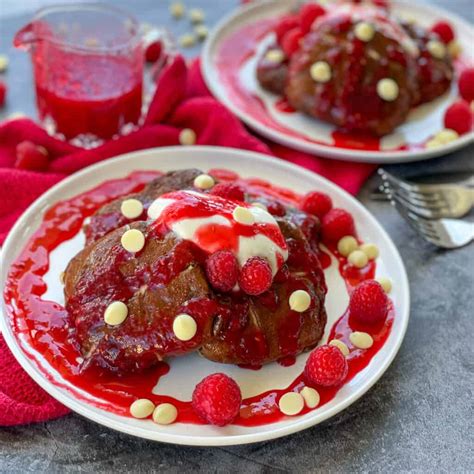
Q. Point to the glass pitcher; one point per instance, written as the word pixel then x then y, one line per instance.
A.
pixel 88 70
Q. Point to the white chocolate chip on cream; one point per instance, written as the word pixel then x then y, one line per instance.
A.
pixel 275 56
pixel 299 301
pixel 165 414
pixel 131 208
pixel 142 408
pixel 341 346
pixel 184 327
pixel 371 250
pixel 437 49
pixel 347 245
pixel 116 313
pixel 310 396
pixel 358 258
pixel 243 216
pixel 204 181
pixel 187 137
pixel 320 71
pixel 133 240
pixel 291 403
pixel 364 31
pixel 387 89
pixel 385 283
pixel 362 340
pixel 177 9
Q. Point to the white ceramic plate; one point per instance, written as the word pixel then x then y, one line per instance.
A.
pixel 188 370
pixel 256 107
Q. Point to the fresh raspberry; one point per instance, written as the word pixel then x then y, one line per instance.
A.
pixel 291 41
pixel 3 93
pixel 326 366
pixel 31 157
pixel 286 24
pixel 153 51
pixel 276 209
pixel 458 117
pixel 217 399
pixel 308 14
pixel 228 191
pixel 369 303
pixel 222 270
pixel 466 84
pixel 444 30
pixel 336 224
pixel 255 276
pixel 316 203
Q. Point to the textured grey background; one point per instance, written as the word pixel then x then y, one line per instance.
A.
pixel 418 417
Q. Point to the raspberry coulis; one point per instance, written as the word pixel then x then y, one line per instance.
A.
pixel 44 330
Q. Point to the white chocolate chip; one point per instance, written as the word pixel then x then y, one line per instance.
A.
pixel 454 49
pixel 116 313
pixel 275 56
pixel 364 31
pixel 310 396
pixel 291 403
pixel 131 208
pixel 447 135
pixel 243 215
pixel 347 245
pixel 437 49
pixel 3 62
pixel 260 205
pixel 358 258
pixel 371 250
pixel 187 40
pixel 300 301
pixel 142 408
pixel 320 71
pixel 341 346
pixel 196 15
pixel 187 137
pixel 204 181
pixel 184 327
pixel 387 89
pixel 201 32
pixel 362 340
pixel 177 9
pixel 133 240
pixel 165 414
pixel 386 283
pixel 433 143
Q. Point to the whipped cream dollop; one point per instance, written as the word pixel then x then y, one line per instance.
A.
pixel 214 223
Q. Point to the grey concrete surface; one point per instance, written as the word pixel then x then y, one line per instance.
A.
pixel 417 418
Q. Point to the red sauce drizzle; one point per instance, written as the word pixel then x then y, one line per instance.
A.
pixel 43 327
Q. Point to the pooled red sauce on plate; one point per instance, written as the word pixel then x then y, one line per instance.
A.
pixel 46 335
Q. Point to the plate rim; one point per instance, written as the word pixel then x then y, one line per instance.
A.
pixel 326 151
pixel 101 417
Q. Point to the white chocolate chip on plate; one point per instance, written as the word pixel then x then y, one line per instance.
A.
pixel 133 240
pixel 275 56
pixel 184 327
pixel 243 215
pixel 201 31
pixel 142 408
pixel 347 245
pixel 187 137
pixel 291 403
pixel 446 135
pixel 165 414
pixel 116 313
pixel 362 340
pixel 131 208
pixel 177 9
pixel 387 89
pixel 3 62
pixel 320 71
pixel 204 181
pixel 299 301
pixel 310 396
pixel 371 250
pixel 340 345
pixel 358 258
pixel 385 283
pixel 196 15
pixel 187 40
pixel 364 31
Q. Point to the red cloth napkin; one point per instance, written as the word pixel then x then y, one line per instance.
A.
pixel 181 100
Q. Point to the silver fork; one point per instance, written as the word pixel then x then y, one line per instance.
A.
pixel 433 201
pixel 445 233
